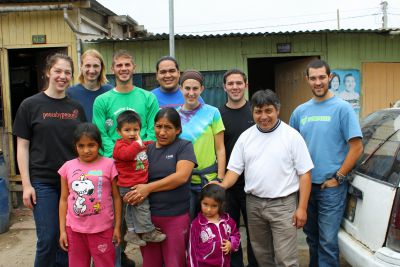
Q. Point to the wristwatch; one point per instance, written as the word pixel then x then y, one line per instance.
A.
pixel 340 178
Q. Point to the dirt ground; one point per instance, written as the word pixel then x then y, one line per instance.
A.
pixel 17 246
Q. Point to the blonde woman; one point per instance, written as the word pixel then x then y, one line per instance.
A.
pixel 92 81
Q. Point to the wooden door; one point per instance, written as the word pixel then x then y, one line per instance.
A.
pixel 291 86
pixel 380 86
pixel 6 124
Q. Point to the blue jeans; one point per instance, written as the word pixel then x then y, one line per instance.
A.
pixel 194 203
pixel 325 212
pixel 118 251
pixel 121 247
pixel 45 213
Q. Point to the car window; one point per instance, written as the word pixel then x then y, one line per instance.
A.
pixel 381 138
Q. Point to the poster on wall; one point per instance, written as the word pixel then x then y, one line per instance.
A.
pixel 346 85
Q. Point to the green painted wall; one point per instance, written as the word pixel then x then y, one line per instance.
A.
pixel 351 50
pixel 340 49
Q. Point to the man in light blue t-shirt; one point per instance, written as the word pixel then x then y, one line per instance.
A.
pixel 332 132
pixel 168 93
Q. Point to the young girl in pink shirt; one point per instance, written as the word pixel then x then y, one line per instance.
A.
pixel 89 203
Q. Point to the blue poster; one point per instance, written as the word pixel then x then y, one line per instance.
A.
pixel 346 85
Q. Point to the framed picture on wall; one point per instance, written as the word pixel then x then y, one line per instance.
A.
pixel 346 85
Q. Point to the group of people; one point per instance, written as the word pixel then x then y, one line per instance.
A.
pixel 172 174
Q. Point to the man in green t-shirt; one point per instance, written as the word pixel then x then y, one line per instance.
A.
pixel 108 106
pixel 125 96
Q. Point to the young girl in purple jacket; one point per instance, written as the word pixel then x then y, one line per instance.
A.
pixel 213 234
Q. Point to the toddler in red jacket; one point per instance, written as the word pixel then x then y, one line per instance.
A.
pixel 132 166
pixel 213 234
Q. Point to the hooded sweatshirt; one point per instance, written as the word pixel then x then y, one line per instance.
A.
pixel 206 240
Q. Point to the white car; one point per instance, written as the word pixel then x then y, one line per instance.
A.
pixel 370 233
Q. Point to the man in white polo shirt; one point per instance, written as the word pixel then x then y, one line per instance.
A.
pixel 277 165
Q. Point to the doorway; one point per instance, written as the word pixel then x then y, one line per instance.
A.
pixel 27 77
pixel 285 76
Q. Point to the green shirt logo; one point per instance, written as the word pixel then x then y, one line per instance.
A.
pixel 315 118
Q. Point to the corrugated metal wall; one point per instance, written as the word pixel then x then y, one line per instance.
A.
pixel 350 50
pixel 343 50
pixel 204 55
pixel 17 29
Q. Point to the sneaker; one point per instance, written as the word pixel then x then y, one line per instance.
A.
pixel 154 236
pixel 133 238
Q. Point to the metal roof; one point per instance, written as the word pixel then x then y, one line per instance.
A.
pixel 101 9
pixel 165 36
pixel 94 5
pixel 36 1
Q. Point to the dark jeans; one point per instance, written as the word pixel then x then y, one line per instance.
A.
pixel 45 213
pixel 121 248
pixel 236 203
pixel 194 203
pixel 324 215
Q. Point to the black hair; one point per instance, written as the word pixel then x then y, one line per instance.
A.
pixel 171 115
pixel 235 71
pixel 316 64
pixel 334 74
pixel 215 192
pixel 348 75
pixel 87 129
pixel 165 58
pixel 128 116
pixel 265 97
